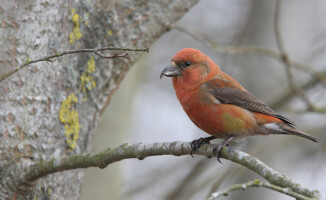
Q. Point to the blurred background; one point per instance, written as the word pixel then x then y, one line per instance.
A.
pixel 145 108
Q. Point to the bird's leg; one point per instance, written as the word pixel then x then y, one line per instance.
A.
pixel 195 144
pixel 218 148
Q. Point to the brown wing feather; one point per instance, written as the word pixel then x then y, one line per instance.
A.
pixel 242 98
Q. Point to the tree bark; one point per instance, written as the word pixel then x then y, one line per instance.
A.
pixel 51 109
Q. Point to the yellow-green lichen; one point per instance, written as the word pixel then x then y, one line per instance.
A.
pixel 75 34
pixel 70 118
pixel 90 65
pixel 86 80
pixel 109 33
pixel 28 60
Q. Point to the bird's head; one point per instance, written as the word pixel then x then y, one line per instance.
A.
pixel 190 66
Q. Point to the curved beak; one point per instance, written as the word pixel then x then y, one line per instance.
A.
pixel 170 71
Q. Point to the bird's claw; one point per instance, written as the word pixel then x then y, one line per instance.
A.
pixel 217 151
pixel 218 148
pixel 195 144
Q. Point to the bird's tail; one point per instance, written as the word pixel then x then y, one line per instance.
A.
pixel 286 129
pixel 293 131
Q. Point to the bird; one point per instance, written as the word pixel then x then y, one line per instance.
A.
pixel 219 105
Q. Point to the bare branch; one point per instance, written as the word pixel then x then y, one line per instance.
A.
pixel 186 181
pixel 288 65
pixel 231 172
pixel 32 172
pixel 248 49
pixel 153 177
pixel 97 51
pixel 257 183
pixel 319 77
pixel 288 95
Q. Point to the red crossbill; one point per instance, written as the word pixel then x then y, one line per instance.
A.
pixel 219 105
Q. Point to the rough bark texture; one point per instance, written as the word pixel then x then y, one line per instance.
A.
pixel 48 106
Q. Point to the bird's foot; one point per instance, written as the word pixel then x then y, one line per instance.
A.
pixel 195 144
pixel 217 151
pixel 218 148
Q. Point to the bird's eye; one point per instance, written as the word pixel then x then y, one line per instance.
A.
pixel 187 64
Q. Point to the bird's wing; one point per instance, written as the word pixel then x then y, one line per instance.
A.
pixel 227 94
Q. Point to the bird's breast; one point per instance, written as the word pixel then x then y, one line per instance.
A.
pixel 219 120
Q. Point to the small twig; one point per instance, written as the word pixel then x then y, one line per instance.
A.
pixel 257 183
pixel 97 51
pixel 124 55
pixel 288 65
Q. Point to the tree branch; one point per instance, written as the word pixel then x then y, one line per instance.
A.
pixel 249 49
pixel 186 181
pixel 288 65
pixel 32 172
pixel 288 95
pixel 97 51
pixel 257 183
pixel 318 77
pixel 231 172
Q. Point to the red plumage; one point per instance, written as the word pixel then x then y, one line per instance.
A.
pixel 218 104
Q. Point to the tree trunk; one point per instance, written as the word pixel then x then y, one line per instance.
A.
pixel 50 109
